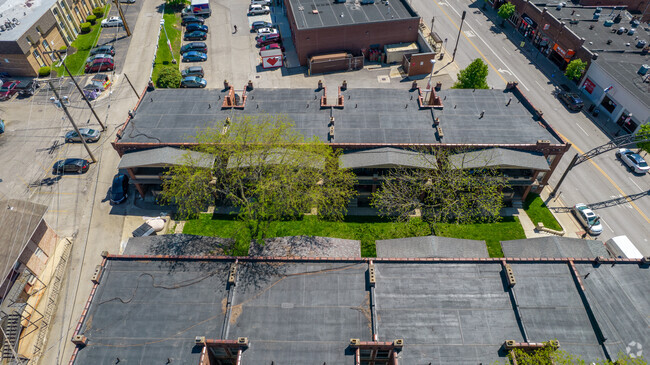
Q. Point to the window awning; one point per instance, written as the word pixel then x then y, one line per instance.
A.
pixel 165 156
pixel 500 158
pixel 386 158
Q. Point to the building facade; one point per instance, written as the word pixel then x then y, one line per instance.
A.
pixel 29 33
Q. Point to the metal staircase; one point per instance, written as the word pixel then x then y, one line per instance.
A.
pixel 11 328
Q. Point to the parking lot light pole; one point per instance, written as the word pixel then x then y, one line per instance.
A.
pixel 56 94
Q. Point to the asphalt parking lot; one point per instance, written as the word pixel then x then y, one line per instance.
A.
pixel 117 35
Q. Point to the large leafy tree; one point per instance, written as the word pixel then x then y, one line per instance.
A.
pixel 505 11
pixel 574 69
pixel 459 188
pixel 265 169
pixel 474 76
pixel 643 133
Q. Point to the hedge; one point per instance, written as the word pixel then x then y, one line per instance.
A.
pixel 44 71
pixel 92 19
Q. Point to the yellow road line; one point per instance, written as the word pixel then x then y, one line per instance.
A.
pixel 609 179
pixel 472 43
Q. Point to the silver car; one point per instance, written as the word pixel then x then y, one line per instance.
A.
pixel 89 135
pixel 634 161
pixel 588 218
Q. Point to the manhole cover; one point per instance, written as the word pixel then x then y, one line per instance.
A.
pixel 383 79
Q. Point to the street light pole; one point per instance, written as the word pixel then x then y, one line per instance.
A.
pixel 462 20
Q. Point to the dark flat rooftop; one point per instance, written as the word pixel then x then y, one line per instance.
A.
pixel 306 246
pixel 304 312
pixel 331 14
pixel 431 246
pixel 370 116
pixel 554 246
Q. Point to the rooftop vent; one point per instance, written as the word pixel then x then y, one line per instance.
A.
pixel 199 340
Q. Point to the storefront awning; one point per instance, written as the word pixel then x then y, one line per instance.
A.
pixel 500 158
pixel 165 156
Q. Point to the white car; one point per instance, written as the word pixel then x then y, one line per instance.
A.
pixel 258 9
pixel 633 160
pixel 261 2
pixel 588 218
pixel 265 31
pixel 113 21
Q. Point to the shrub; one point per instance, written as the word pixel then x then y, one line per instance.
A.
pixel 63 49
pixel 169 77
pixel 44 71
pixel 85 28
pixel 92 19
pixel 98 12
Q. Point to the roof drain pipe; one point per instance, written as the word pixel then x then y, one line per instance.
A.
pixel 511 282
pixel 372 279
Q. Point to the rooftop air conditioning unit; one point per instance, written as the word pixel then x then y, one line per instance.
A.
pixel 355 342
pixel 199 340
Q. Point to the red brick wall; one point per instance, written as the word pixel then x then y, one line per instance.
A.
pixel 421 64
pixel 353 38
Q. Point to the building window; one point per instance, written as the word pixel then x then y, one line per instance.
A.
pixel 40 61
pixel 49 50
pixel 40 253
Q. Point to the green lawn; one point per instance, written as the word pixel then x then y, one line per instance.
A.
pixel 82 44
pixel 364 229
pixel 538 212
pixel 508 228
pixel 173 28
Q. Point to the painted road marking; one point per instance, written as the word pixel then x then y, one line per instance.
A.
pixel 469 33
pixel 603 221
pixel 504 48
pixel 585 132
pixel 635 184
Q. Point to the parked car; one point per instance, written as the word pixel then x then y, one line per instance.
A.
pixel 587 218
pixel 367 2
pixel 194 56
pixel 266 31
pixel 258 9
pixel 119 188
pixel 633 160
pixel 128 1
pixel 260 24
pixel 261 2
pixel 193 71
pixel 195 36
pixel 194 46
pixel 27 88
pixel 8 89
pixel 196 26
pixel 70 165
pixel 113 21
pixel 194 81
pixel 272 46
pixel 571 100
pixel 99 55
pixel 89 135
pixel 268 39
pixel 100 64
pixel 105 49
pixel 191 19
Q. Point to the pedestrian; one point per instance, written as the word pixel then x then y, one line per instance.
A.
pixel 235 29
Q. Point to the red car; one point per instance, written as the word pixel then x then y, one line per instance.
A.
pixel 268 39
pixel 272 46
pixel 100 64
pixel 8 89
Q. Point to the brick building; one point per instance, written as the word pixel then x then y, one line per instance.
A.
pixel 29 30
pixel 331 26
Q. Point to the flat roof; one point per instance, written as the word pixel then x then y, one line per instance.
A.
pixel 617 53
pixel 311 14
pixel 431 246
pixel 306 246
pixel 554 246
pixel 25 12
pixel 369 116
pixel 306 310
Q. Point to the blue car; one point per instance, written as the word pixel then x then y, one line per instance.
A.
pixel 193 81
pixel 196 35
pixel 194 56
pixel 196 26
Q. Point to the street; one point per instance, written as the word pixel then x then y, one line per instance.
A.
pixel 618 196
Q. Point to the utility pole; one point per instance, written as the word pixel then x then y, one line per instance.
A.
pixel 119 9
pixel 462 20
pixel 132 88
pixel 432 20
pixel 79 89
pixel 56 94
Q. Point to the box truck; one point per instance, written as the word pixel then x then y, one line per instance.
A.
pixel 198 7
pixel 622 247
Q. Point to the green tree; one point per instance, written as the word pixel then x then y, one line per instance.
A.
pixel 448 187
pixel 169 77
pixel 574 69
pixel 505 11
pixel 643 133
pixel 266 170
pixel 176 2
pixel 474 76
pixel 550 355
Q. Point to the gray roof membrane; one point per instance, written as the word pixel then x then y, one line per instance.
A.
pixel 310 14
pixel 304 312
pixel 306 246
pixel 431 246
pixel 369 116
pixel 554 246
pixel 386 158
pixel 500 158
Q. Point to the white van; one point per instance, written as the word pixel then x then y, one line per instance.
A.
pixel 261 2
pixel 622 247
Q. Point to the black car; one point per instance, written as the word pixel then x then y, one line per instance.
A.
pixel 70 165
pixel 572 100
pixel 195 36
pixel 191 19
pixel 260 24
pixel 195 46
pixel 106 49
pixel 28 88
pixel 192 71
pixel 196 26
pixel 119 189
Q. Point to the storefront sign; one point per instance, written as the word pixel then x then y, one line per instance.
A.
pixel 528 20
pixel 546 26
pixel 589 86
pixel 559 50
